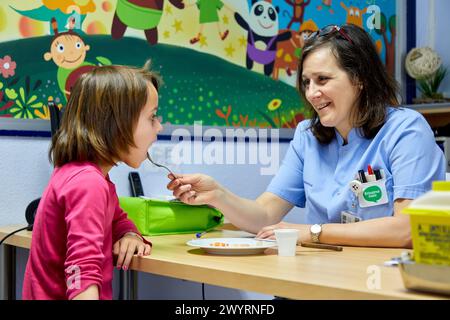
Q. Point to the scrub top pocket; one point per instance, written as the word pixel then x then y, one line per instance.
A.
pixel 376 198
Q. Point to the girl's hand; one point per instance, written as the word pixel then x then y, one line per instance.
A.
pixel 127 246
pixel 195 189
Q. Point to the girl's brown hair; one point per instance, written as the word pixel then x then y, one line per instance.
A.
pixel 360 60
pixel 101 114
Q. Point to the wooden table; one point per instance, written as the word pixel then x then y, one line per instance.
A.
pixel 354 273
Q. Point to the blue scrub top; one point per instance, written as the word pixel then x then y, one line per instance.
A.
pixel 316 177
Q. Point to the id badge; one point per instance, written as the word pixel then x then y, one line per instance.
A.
pixel 348 217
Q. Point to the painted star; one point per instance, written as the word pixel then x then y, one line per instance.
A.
pixel 229 50
pixel 169 9
pixel 202 41
pixel 177 25
pixel 225 19
pixel 166 34
pixel 242 41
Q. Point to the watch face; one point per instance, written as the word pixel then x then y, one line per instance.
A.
pixel 316 228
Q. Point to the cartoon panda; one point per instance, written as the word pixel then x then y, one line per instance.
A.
pixel 262 25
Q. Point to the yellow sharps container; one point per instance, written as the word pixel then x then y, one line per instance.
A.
pixel 430 225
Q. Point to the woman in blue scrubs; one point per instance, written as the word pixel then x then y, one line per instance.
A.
pixel 357 123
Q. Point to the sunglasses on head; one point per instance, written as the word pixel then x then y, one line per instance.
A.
pixel 329 30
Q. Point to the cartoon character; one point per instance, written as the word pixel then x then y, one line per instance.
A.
pixel 354 15
pixel 209 14
pixel 140 14
pixel 326 4
pixel 289 52
pixel 262 26
pixel 298 8
pixel 306 29
pixel 68 52
pixel 62 11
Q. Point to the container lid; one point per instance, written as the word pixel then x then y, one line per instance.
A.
pixel 435 202
pixel 441 186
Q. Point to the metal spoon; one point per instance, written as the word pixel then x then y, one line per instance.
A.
pixel 160 165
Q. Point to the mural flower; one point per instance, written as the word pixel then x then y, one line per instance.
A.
pixel 5 106
pixel 25 106
pixel 224 116
pixel 7 67
pixel 296 118
pixel 274 104
pixel 43 115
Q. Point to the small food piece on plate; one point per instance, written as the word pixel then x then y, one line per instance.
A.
pixel 219 244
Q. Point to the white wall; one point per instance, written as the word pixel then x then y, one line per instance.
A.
pixel 25 171
pixel 432 30
pixel 443 39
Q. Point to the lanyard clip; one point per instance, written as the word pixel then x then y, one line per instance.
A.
pixel 355 186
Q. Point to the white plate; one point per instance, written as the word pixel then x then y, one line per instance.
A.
pixel 231 246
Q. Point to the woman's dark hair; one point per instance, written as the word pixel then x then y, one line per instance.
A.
pixel 101 114
pixel 360 60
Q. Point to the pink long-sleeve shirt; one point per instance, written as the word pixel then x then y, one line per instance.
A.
pixel 77 222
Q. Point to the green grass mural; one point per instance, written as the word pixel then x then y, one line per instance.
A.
pixel 197 86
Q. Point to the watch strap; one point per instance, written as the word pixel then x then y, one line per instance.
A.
pixel 316 235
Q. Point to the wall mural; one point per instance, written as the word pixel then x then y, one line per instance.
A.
pixel 224 62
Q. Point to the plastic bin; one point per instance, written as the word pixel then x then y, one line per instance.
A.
pixel 430 225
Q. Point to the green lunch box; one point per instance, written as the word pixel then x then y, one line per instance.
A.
pixel 160 217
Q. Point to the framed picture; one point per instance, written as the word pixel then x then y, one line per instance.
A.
pixel 222 65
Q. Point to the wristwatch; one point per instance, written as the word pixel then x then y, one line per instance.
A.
pixel 315 231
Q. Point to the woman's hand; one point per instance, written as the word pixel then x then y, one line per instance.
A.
pixel 195 189
pixel 127 246
pixel 303 230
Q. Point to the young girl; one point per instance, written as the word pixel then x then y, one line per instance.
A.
pixel 110 117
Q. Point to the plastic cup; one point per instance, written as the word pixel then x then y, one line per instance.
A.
pixel 286 241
